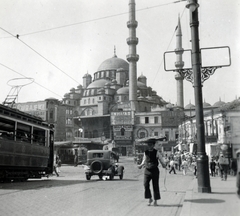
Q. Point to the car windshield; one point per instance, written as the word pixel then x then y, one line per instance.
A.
pixel 97 155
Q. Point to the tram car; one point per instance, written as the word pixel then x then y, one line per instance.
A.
pixel 26 146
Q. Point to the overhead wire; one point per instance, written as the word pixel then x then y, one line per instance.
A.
pixel 93 20
pixel 28 77
pixel 18 37
pixel 160 66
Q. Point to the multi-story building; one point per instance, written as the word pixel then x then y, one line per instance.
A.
pixel 221 125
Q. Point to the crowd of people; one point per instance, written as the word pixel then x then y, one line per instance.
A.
pixel 181 161
pixel 187 162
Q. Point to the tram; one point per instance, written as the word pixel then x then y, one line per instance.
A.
pixel 26 146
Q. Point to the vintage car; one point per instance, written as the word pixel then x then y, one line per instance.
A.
pixel 102 163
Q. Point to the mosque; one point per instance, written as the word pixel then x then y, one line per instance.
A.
pixel 114 107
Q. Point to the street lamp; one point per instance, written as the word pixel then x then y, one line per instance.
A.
pixel 202 158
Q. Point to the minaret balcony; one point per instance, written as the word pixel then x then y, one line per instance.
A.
pixel 179 50
pixel 132 57
pixel 179 64
pixel 132 41
pixel 132 24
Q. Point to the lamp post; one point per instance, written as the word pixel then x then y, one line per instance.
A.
pixel 202 158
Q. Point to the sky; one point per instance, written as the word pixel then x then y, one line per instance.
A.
pixel 56 42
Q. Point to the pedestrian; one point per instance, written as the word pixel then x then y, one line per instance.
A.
pixel 151 171
pixel 212 167
pixel 194 165
pixel 184 166
pixel 238 173
pixel 179 162
pixel 55 167
pixel 224 165
pixel 172 166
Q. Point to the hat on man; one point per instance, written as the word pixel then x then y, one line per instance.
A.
pixel 152 140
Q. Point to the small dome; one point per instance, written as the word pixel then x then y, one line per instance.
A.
pixel 205 104
pixel 79 86
pixel 66 95
pixel 123 90
pixel 141 85
pixel 142 77
pixel 72 90
pixel 98 83
pixel 189 106
pixel 169 106
pixel 114 81
pixel 86 75
pixel 219 103
pixel 114 63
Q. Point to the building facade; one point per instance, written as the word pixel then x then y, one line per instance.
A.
pixel 221 126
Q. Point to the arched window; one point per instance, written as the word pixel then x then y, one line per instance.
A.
pixel 122 131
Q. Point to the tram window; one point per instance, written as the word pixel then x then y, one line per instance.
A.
pixel 23 132
pixel 7 129
pixel 39 136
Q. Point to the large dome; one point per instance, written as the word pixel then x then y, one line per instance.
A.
pixel 114 63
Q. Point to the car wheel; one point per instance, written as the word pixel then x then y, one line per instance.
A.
pixel 96 167
pixel 120 172
pixel 88 177
pixel 111 177
pixel 121 176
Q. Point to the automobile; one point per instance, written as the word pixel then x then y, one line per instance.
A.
pixel 102 163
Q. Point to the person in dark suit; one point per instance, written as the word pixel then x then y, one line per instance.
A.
pixel 238 173
pixel 151 172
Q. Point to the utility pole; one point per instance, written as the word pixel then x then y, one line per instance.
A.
pixel 202 158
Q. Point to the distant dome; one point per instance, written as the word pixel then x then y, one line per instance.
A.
pixel 79 86
pixel 114 81
pixel 219 103
pixel 189 106
pixel 205 104
pixel 98 83
pixel 141 85
pixel 142 76
pixel 86 75
pixel 123 90
pixel 114 63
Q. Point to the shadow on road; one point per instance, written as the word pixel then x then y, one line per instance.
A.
pixel 206 201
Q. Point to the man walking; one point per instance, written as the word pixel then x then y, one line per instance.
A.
pixel 151 172
pixel 172 166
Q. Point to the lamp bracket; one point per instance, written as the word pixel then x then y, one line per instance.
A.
pixel 206 72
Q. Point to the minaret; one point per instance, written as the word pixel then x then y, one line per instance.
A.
pixel 179 65
pixel 132 57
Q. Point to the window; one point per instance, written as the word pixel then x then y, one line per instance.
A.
pixel 146 120
pixel 122 131
pixel 155 120
pixel 51 114
pixel 155 133
pixel 167 135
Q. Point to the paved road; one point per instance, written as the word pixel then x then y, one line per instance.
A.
pixel 72 194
